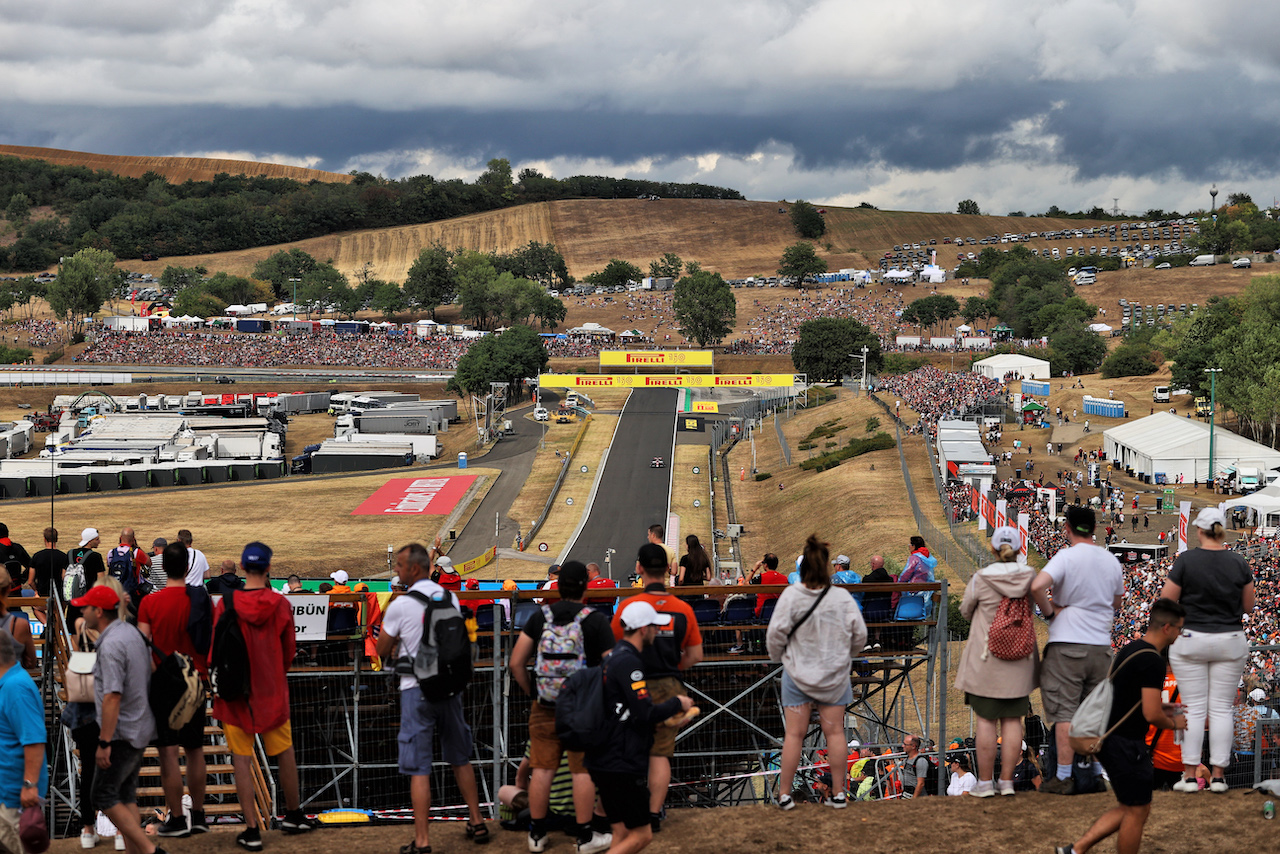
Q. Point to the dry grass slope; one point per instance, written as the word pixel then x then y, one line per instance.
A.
pixel 176 169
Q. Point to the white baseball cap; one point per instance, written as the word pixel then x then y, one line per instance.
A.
pixel 637 615
pixel 1006 536
pixel 842 560
pixel 445 562
pixel 1207 516
pixel 339 576
pixel 87 536
pixel 1257 695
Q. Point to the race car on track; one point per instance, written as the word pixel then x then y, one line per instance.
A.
pixel 657 463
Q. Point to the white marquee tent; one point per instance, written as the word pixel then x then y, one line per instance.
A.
pixel 1166 443
pixel 995 367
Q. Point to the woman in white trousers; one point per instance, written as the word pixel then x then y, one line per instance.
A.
pixel 1216 587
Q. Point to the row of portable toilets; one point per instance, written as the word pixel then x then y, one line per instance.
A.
pixel 31 482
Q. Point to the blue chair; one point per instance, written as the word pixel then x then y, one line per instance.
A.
pixel 739 611
pixel 521 613
pixel 913 606
pixel 484 618
pixel 706 612
pixel 766 613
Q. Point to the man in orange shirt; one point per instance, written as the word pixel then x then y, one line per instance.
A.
pixel 677 647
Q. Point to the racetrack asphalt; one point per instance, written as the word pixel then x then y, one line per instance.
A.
pixel 632 495
pixel 514 456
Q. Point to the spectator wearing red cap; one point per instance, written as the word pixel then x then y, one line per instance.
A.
pixel 121 677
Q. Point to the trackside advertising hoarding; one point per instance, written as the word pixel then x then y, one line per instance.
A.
pixel 655 358
pixel 590 381
pixel 429 496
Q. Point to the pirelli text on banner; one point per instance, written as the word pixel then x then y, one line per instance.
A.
pixel 655 358
pixel 588 381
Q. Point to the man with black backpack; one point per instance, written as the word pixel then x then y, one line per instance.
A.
pixel 413 628
pixel 251 693
pixel 15 558
pixel 127 563
pixel 84 565
pixel 561 638
pixel 178 619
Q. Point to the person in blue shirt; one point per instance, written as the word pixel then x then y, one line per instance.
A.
pixel 24 775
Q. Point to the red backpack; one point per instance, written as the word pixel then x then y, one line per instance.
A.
pixel 1012 637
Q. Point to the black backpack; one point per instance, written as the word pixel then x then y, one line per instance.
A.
pixel 229 657
pixel 580 722
pixel 928 785
pixel 200 620
pixel 443 663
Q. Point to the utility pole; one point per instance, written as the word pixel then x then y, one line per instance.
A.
pixel 1213 408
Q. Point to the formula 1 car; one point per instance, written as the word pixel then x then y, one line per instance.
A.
pixel 657 463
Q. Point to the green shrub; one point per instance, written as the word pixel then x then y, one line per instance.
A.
pixel 872 423
pixel 855 448
pixel 804 446
pixel 830 444
pixel 956 623
pixel 901 363
pixel 50 358
pixel 763 475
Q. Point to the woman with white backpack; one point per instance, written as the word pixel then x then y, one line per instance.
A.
pixel 1000 665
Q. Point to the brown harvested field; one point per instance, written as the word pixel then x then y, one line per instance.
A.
pixel 687 487
pixel 176 170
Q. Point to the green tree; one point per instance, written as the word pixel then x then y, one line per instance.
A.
pixel 432 278
pixel 549 311
pixel 704 307
pixel 388 298
pixel 808 223
pixel 475 277
pixel 616 273
pixel 975 308
pixel 197 301
pixel 84 282
pixel 822 350
pixel 497 179
pixel 281 268
pixel 322 288
pixel 18 211
pixel 1134 359
pixel 968 207
pixel 669 266
pixel 800 263
pixel 1076 348
pixel 176 278
pixel 508 357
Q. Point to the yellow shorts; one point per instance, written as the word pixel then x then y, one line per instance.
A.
pixel 276 741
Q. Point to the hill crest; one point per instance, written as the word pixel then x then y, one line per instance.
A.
pixel 176 170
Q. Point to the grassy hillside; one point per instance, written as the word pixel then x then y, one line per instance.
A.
pixel 176 169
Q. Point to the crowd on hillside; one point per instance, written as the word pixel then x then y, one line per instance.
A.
pixel 775 329
pixel 35 333
pixel 257 350
pixel 934 394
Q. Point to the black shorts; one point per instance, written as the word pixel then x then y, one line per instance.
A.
pixel 1129 768
pixel 625 798
pixel 190 736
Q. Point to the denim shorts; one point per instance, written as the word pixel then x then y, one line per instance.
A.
pixel 793 696
pixel 419 721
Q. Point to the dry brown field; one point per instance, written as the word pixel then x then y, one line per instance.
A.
pixel 176 170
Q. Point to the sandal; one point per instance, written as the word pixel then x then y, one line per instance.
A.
pixel 478 833
pixel 414 848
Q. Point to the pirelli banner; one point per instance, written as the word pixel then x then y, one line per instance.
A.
pixel 590 381
pixel 655 358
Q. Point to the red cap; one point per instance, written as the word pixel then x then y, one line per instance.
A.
pixel 473 584
pixel 101 596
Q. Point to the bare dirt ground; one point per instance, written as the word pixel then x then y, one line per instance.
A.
pixel 1027 823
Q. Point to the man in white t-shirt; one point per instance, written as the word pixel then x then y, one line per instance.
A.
pixel 419 719
pixel 197 563
pixel 1078 591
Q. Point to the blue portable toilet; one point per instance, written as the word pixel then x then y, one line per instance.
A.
pixel 462 460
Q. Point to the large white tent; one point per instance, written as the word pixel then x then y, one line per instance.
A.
pixel 1180 446
pixel 1265 503
pixel 995 367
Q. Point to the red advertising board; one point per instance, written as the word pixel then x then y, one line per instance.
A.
pixel 422 496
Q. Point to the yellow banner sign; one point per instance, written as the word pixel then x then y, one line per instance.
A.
pixel 476 562
pixel 655 358
pixel 705 406
pixel 590 381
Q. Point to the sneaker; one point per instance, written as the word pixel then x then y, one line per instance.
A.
pixel 174 828
pixel 537 844
pixel 199 824
pixel 1186 785
pixel 785 802
pixel 736 650
pixel 1063 849
pixel 837 802
pixel 598 842
pixel 88 839
pixel 1218 785
pixel 250 839
pixel 120 842
pixel 1005 787
pixel 295 822
pixel 983 789
pixel 1058 786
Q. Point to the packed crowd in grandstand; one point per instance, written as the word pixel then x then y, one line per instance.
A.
pixel 775 330
pixel 934 394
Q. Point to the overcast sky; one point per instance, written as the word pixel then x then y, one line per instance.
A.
pixel 913 104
